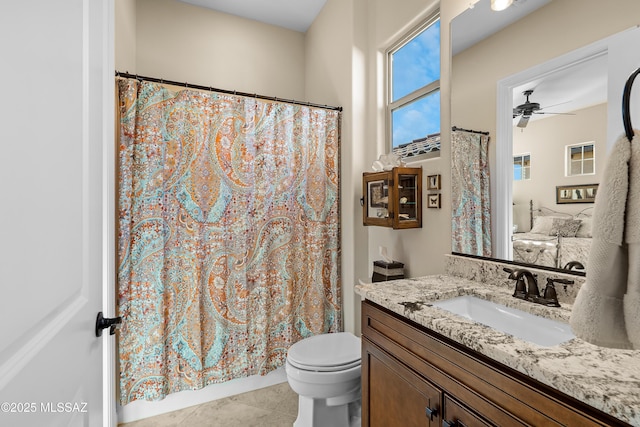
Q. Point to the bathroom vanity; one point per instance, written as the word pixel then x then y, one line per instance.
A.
pixel 422 365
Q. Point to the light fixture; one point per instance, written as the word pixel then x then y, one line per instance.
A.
pixel 498 5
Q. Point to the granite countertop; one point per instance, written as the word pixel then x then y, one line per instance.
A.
pixel 607 379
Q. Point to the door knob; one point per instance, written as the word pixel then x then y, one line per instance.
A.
pixel 107 322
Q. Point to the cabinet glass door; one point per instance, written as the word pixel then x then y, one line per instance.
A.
pixel 377 197
pixel 408 197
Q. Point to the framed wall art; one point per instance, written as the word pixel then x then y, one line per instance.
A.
pixel 433 182
pixel 433 201
pixel 576 193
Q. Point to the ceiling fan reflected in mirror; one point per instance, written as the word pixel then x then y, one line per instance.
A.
pixel 526 110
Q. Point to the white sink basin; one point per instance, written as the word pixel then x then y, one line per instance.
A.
pixel 520 324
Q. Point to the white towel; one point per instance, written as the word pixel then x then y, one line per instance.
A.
pixel 598 314
pixel 632 238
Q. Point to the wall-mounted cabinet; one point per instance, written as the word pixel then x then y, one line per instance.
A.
pixel 393 198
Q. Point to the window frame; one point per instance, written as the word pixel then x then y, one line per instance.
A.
pixel 391 106
pixel 568 161
pixel 522 156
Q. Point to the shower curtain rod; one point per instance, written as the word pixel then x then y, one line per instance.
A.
pixel 454 128
pixel 231 92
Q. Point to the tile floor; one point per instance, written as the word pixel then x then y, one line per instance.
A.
pixel 274 406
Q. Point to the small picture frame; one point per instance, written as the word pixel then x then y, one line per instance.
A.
pixel 433 200
pixel 433 182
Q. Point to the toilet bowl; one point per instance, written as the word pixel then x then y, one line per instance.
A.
pixel 324 370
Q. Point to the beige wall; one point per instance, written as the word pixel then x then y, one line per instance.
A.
pixel 558 28
pixel 546 140
pixel 421 250
pixel 340 61
pixel 335 73
pixel 345 62
pixel 178 41
pixel 125 36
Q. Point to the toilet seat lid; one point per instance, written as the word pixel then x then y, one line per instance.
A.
pixel 326 352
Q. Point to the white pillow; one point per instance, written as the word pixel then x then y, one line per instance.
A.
pixel 586 227
pixel 542 225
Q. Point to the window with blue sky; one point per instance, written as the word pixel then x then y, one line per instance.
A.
pixel 414 106
pixel 521 167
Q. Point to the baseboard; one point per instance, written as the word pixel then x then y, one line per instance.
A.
pixel 142 409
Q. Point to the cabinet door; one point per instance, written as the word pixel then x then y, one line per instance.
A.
pixel 393 395
pixel 407 203
pixel 377 189
pixel 456 415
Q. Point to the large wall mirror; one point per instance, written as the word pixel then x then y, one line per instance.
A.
pixel 544 80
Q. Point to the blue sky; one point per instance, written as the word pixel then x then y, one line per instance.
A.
pixel 417 64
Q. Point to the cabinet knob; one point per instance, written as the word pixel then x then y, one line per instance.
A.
pixel 449 423
pixel 431 412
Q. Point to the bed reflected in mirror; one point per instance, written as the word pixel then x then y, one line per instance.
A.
pixel 554 239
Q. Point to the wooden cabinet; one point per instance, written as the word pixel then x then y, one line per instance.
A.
pixel 412 376
pixel 457 415
pixel 393 198
pixel 398 396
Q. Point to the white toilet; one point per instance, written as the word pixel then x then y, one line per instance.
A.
pixel 325 372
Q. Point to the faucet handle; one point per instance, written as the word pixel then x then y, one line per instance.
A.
pixel 550 296
pixel 551 280
pixel 550 291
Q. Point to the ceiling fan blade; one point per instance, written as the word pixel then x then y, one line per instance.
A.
pixel 553 105
pixel 522 123
pixel 549 112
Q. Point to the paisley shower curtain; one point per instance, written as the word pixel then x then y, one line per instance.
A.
pixel 228 240
pixel 471 205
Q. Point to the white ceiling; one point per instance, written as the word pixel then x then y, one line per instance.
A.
pixel 479 22
pixel 574 88
pixel 295 15
pixel 569 90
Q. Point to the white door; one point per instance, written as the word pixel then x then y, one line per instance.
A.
pixel 54 60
